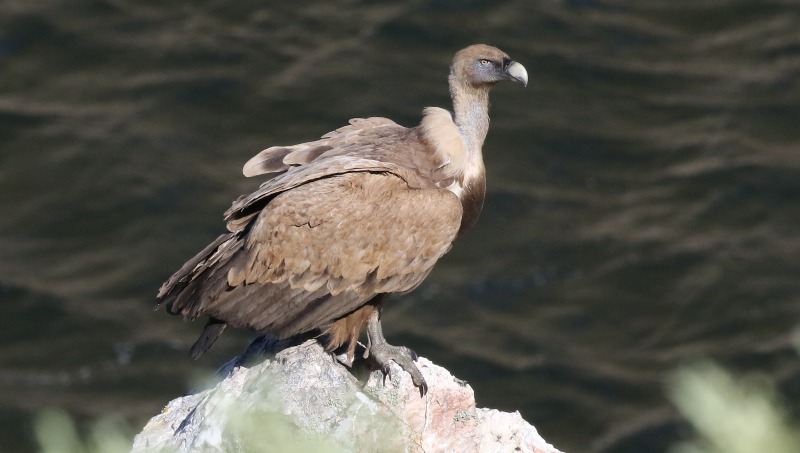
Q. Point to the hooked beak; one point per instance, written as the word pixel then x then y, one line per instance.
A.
pixel 517 72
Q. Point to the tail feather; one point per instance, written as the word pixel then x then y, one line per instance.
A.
pixel 172 287
pixel 211 332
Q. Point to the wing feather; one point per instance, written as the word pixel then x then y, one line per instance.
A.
pixel 366 145
pixel 280 158
pixel 355 214
pixel 323 249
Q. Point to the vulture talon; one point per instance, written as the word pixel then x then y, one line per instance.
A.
pixel 387 372
pixel 382 352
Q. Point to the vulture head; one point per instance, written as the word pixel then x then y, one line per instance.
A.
pixel 482 66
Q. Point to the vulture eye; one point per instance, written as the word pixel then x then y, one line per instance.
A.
pixel 484 62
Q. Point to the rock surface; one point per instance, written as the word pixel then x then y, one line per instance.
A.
pixel 316 397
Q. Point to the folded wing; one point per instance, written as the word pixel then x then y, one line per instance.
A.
pixel 315 243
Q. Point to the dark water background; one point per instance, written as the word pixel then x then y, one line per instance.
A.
pixel 643 205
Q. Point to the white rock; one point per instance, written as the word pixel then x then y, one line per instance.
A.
pixel 316 397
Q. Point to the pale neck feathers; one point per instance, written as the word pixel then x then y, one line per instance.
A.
pixel 458 143
pixel 441 132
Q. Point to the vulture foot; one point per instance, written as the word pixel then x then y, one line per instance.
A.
pixel 381 352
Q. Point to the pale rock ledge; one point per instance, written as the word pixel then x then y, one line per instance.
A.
pixel 316 397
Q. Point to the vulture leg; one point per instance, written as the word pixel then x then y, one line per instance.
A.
pixel 382 352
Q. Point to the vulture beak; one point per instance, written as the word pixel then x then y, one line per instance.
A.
pixel 517 72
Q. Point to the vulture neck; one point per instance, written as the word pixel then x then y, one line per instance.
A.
pixel 471 107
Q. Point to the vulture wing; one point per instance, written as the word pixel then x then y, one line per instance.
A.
pixel 281 158
pixel 372 144
pixel 341 225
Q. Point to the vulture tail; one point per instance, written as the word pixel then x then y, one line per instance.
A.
pixel 172 288
pixel 211 332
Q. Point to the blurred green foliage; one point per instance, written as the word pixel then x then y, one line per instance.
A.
pixel 264 432
pixel 249 432
pixel 56 433
pixel 731 415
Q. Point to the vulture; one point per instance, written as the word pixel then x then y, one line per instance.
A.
pixel 363 212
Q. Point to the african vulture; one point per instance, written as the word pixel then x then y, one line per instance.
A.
pixel 363 212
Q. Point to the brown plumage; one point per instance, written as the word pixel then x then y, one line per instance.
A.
pixel 365 211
